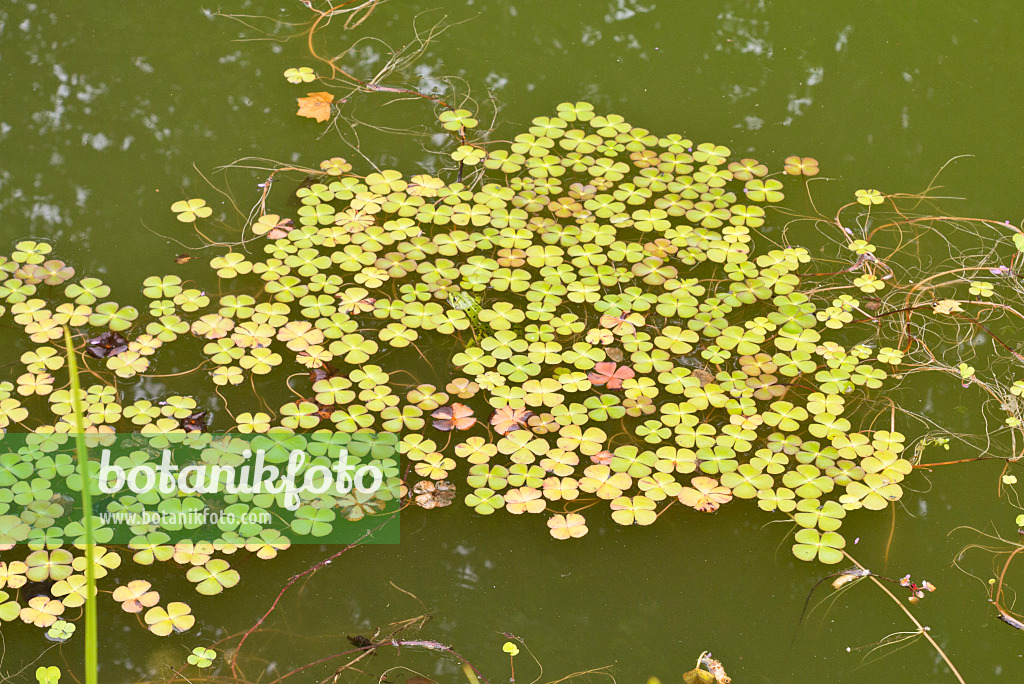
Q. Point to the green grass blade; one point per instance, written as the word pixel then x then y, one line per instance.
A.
pixel 91 636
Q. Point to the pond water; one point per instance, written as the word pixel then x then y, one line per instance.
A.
pixel 110 112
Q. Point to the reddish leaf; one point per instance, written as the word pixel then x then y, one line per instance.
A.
pixel 607 373
pixel 508 419
pixel 323 411
pixel 316 106
pixel 454 417
pixel 283 227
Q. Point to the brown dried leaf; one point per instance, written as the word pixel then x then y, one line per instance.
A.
pixel 316 106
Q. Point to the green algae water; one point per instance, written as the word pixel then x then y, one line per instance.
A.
pixel 107 116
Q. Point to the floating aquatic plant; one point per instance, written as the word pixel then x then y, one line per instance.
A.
pixel 299 75
pixel 202 657
pixel 595 307
pixel 177 617
pixel 191 209
pixel 136 596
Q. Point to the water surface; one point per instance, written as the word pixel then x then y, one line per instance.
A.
pixel 112 111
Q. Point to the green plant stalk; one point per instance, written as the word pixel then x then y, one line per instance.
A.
pixel 91 636
pixel 471 677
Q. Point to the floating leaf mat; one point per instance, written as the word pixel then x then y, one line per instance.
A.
pixel 587 329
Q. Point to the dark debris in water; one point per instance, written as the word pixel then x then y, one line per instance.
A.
pixel 105 345
pixel 195 422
